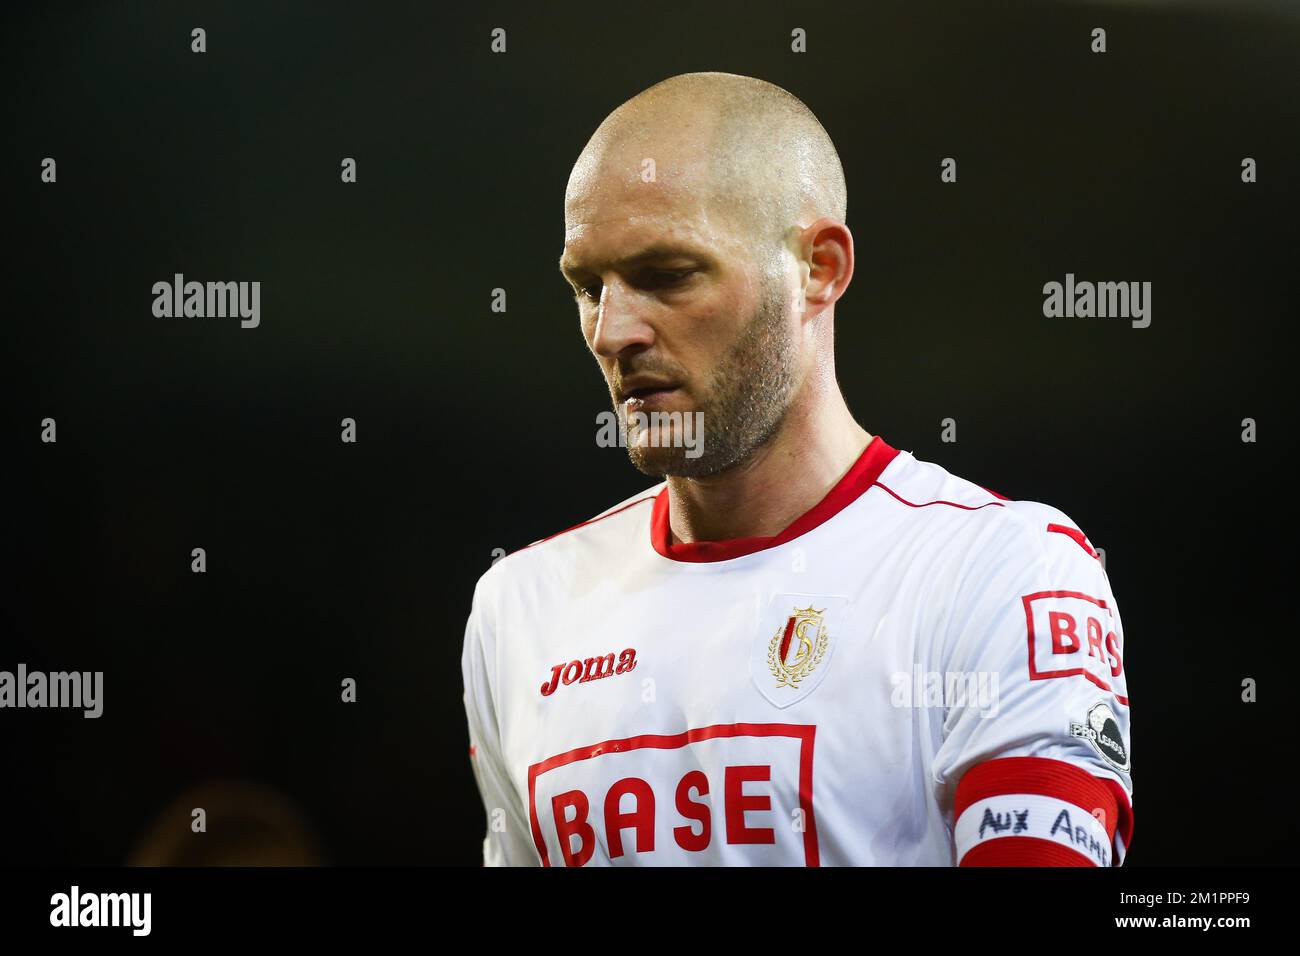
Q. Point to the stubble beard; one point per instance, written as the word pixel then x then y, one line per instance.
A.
pixel 746 402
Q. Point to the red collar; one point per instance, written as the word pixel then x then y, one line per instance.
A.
pixel 873 460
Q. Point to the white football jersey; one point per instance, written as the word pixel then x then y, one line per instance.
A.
pixel 916 672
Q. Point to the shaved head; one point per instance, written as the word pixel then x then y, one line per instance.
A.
pixel 743 147
pixel 705 243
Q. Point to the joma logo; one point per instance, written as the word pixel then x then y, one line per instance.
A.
pixel 593 668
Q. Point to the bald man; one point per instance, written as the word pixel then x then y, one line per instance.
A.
pixel 804 646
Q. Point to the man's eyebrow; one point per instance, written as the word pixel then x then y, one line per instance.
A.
pixel 657 251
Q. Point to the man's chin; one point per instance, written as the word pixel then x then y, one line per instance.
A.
pixel 670 463
pixel 654 462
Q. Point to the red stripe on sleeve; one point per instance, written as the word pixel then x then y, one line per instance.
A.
pixel 1125 823
pixel 1040 775
pixel 1076 535
pixel 1023 851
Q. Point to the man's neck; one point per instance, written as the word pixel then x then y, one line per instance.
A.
pixel 780 481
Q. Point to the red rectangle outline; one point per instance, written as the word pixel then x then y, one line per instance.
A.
pixel 804 733
pixel 1034 673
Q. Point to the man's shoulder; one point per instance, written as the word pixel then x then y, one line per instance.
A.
pixel 615 527
pixel 928 486
pixel 1020 522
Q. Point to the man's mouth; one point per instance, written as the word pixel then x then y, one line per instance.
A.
pixel 648 394
pixel 636 395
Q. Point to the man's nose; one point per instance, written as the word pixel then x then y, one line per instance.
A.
pixel 620 322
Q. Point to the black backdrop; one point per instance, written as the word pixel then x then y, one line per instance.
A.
pixel 476 429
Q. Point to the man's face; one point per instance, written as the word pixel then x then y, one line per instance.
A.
pixel 685 314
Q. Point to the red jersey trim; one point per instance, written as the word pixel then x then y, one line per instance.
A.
pixel 1124 825
pixel 1023 851
pixel 1040 775
pixel 940 501
pixel 1075 535
pixel 874 459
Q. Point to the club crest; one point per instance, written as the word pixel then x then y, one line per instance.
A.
pixel 798 646
pixel 798 634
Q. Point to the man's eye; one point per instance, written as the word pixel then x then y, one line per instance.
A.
pixel 666 278
pixel 652 279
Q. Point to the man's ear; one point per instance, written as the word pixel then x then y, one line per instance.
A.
pixel 826 249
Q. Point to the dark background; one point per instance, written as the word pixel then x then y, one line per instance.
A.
pixel 476 429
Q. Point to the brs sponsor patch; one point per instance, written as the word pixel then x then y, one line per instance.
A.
pixel 720 795
pixel 1071 633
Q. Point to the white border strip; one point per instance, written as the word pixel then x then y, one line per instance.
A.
pixel 1033 815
